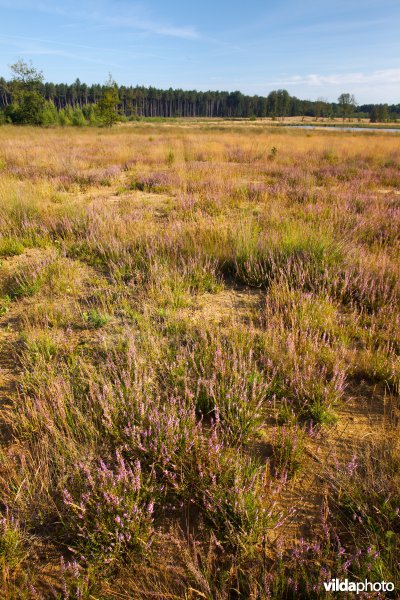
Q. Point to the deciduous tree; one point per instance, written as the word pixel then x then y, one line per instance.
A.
pixel 347 104
pixel 24 87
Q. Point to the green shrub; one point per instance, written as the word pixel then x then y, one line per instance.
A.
pixel 78 118
pixel 95 319
pixel 13 548
pixel 5 302
pixel 10 247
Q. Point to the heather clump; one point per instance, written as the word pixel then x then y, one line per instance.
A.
pixel 293 255
pixel 288 445
pixel 366 288
pixel 111 512
pixel 155 182
pixel 365 491
pixel 13 546
pixel 227 384
pixel 314 398
pixel 232 493
pixel 26 277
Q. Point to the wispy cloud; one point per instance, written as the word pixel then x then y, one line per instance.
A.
pixel 77 57
pixel 105 14
pixel 147 26
pixel 17 39
pixel 344 26
pixel 38 47
pixel 382 77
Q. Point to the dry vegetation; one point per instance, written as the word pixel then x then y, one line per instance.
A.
pixel 199 361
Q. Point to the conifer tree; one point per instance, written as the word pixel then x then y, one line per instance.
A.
pixel 108 103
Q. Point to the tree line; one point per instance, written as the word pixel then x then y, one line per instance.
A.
pixel 27 98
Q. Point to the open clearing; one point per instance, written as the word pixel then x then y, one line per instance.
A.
pixel 199 361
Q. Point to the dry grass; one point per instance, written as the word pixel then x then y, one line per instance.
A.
pixel 200 337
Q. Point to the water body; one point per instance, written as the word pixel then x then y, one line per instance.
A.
pixel 344 128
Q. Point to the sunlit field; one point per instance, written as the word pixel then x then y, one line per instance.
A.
pixel 199 361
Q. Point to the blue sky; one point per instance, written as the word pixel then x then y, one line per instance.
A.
pixel 313 49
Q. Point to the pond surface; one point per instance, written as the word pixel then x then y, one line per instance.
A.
pixel 344 128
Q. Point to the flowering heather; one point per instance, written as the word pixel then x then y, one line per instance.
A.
pixel 199 361
pixel 112 512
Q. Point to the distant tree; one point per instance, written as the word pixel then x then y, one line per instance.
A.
pixel 78 118
pixel 272 104
pixel 374 115
pixel 385 113
pixel 234 103
pixel 379 113
pixel 321 107
pixel 90 113
pixel 108 103
pixel 25 88
pixel 31 108
pixel 283 102
pixel 278 103
pixel 26 73
pixel 4 92
pixel 49 115
pixel 347 104
pixel 63 118
pixel 261 106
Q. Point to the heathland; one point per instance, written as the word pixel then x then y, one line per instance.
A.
pixel 199 328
